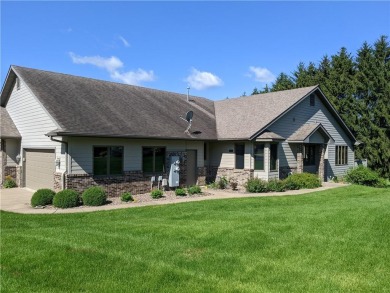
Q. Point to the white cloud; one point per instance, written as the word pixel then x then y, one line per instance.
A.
pixel 112 65
pixel 124 41
pixel 261 74
pixel 201 80
pixel 134 77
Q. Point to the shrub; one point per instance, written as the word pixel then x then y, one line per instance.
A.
pixel 383 183
pixel 126 196
pixel 213 185
pixel 94 196
pixel 156 193
pixel 42 197
pixel 276 185
pixel 194 189
pixel 302 180
pixel 180 192
pixel 222 182
pixel 66 198
pixel 9 182
pixel 256 185
pixel 362 176
pixel 233 183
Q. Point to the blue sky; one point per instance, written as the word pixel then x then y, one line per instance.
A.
pixel 220 49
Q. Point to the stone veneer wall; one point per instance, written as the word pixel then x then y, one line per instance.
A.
pixel 15 172
pixel 132 181
pixel 202 175
pixel 241 175
pixel 300 158
pixel 57 181
pixel 321 164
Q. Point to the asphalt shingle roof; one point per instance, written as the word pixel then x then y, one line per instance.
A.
pixel 85 106
pixel 241 118
pixel 8 128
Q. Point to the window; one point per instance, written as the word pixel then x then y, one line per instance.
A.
pixel 309 155
pixel 107 160
pixel 153 159
pixel 341 155
pixel 259 156
pixel 205 151
pixel 273 157
pixel 312 100
pixel 239 152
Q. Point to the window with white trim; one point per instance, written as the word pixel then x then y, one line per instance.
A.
pixel 341 155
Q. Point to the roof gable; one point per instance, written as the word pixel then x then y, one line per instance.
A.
pixel 8 128
pixel 247 117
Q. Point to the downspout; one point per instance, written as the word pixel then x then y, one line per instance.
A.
pixel 66 158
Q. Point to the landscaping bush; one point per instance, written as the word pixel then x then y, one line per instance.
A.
pixel 180 192
pixel 276 185
pixel 222 182
pixel 66 198
pixel 156 193
pixel 194 189
pixel 362 176
pixel 94 196
pixel 42 197
pixel 256 185
pixel 233 183
pixel 9 182
pixel 126 196
pixel 213 185
pixel 302 180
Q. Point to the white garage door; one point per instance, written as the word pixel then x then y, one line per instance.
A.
pixel 40 167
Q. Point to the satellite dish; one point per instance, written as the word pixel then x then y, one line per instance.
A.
pixel 189 116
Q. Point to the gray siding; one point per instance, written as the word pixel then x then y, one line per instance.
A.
pixel 80 151
pixel 32 121
pixel 304 113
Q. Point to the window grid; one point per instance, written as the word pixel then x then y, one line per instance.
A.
pixel 341 155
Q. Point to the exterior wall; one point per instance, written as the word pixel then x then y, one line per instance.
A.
pixel 33 122
pixel 80 151
pixel 304 113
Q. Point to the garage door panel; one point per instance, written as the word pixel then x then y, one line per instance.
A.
pixel 40 167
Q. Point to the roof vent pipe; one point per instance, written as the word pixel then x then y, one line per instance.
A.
pixel 188 93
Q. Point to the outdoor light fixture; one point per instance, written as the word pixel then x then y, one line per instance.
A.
pixel 17 158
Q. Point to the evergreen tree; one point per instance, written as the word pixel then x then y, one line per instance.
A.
pixel 283 82
pixel 255 91
pixel 265 89
pixel 303 76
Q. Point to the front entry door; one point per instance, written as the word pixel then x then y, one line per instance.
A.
pixel 192 175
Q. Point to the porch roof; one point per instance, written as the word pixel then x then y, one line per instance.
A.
pixel 269 136
pixel 304 133
pixel 8 128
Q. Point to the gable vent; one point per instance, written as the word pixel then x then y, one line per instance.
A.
pixel 312 100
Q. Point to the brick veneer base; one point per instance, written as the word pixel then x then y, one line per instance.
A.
pixel 132 181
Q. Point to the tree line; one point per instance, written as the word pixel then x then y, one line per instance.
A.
pixel 358 86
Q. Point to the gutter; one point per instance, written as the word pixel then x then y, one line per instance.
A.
pixel 66 158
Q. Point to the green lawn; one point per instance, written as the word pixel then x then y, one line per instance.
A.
pixel 331 241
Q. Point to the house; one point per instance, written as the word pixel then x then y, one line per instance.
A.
pixel 61 131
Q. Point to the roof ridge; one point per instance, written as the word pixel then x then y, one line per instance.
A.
pixel 106 81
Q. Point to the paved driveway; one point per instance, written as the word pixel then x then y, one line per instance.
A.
pixel 17 200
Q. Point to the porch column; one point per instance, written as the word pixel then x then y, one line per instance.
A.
pixel 321 165
pixel 300 158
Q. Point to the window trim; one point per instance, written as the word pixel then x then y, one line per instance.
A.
pixel 108 159
pixel 270 157
pixel 235 156
pixel 305 163
pixel 154 159
pixel 343 151
pixel 254 156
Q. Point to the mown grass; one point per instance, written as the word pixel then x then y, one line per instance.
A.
pixel 331 241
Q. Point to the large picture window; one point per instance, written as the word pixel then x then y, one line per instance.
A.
pixel 107 160
pixel 341 155
pixel 273 157
pixel 259 156
pixel 153 159
pixel 309 155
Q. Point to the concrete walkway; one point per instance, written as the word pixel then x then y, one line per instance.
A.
pixel 17 200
